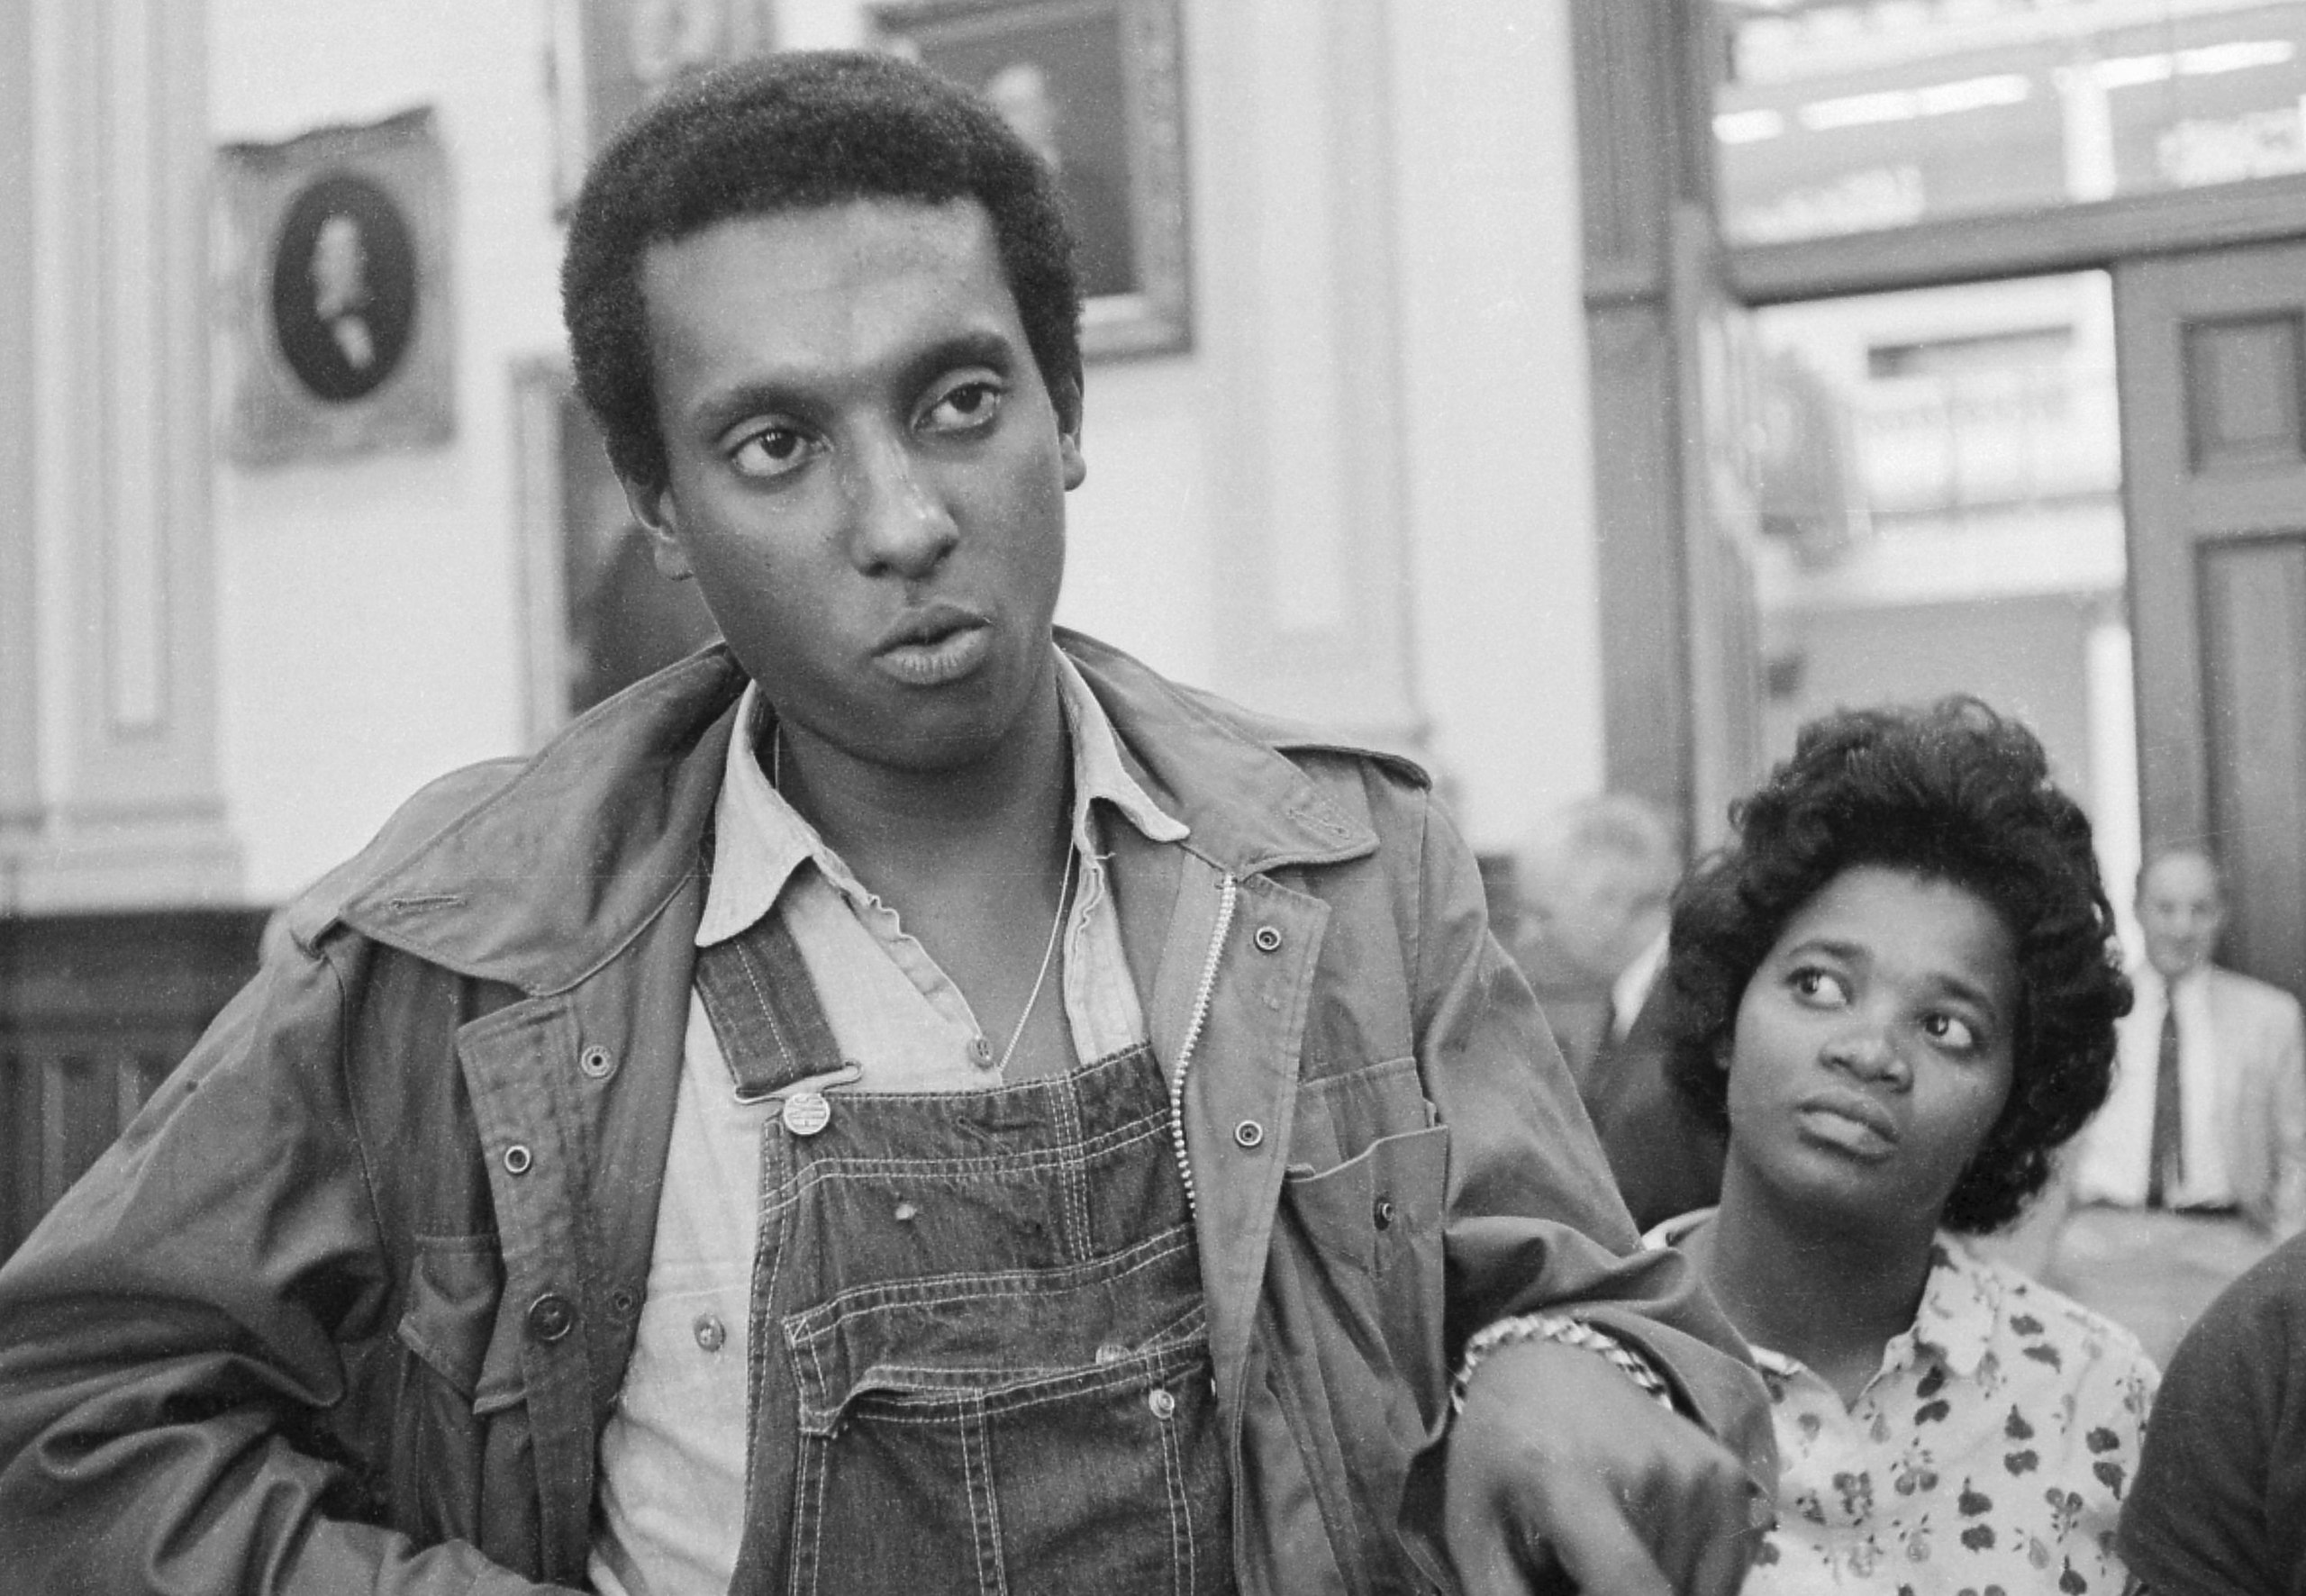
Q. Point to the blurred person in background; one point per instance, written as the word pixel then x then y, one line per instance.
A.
pixel 2197 1164
pixel 1598 878
pixel 1595 877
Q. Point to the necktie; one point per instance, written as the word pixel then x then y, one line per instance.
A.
pixel 2168 1154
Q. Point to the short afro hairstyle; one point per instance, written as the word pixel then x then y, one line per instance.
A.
pixel 1953 793
pixel 787 132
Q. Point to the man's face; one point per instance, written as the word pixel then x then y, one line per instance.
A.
pixel 865 472
pixel 1600 912
pixel 2180 913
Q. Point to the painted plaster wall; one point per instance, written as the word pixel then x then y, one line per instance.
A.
pixel 1500 502
pixel 369 608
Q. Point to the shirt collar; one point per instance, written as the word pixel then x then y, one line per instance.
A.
pixel 2151 985
pixel 1961 1304
pixel 759 840
pixel 1098 772
pixel 1630 990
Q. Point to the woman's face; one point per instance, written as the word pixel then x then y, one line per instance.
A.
pixel 1872 1048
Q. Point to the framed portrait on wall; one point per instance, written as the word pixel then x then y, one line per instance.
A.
pixel 610 58
pixel 597 615
pixel 333 255
pixel 1094 86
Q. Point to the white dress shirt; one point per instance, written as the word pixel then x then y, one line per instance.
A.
pixel 2116 1147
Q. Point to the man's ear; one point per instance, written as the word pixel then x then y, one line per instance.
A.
pixel 658 513
pixel 1066 398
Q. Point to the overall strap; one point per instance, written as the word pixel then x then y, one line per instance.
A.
pixel 763 1006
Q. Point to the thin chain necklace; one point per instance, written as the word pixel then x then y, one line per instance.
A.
pixel 1048 956
pixel 1056 926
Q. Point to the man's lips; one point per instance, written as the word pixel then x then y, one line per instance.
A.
pixel 941 643
pixel 928 625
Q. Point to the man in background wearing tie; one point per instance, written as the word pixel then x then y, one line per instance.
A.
pixel 2197 1164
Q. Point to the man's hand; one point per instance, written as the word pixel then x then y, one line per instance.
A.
pixel 1561 1472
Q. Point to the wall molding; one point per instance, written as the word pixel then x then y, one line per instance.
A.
pixel 124 806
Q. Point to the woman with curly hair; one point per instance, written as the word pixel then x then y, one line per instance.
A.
pixel 1896 992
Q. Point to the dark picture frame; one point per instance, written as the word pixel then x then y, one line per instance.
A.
pixel 1097 85
pixel 336 331
pixel 597 616
pixel 610 58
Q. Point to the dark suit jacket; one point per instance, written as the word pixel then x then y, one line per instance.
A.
pixel 1666 1162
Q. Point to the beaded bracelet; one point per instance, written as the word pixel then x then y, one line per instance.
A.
pixel 1569 1332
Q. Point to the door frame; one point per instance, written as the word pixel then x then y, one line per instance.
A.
pixel 1645 79
pixel 2213 544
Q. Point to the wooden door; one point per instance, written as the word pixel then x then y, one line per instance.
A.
pixel 2212 349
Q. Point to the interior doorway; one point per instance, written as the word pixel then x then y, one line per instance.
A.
pixel 2031 289
pixel 2213 347
pixel 1941 495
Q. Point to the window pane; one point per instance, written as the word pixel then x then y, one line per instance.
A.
pixel 1847 117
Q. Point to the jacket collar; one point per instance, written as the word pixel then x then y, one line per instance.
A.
pixel 1224 771
pixel 547 875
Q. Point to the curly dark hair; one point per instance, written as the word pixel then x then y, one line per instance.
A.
pixel 1956 793
pixel 789 133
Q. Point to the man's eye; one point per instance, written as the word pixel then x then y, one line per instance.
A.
pixel 772 451
pixel 965 407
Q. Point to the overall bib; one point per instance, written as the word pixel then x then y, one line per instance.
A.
pixel 979 1357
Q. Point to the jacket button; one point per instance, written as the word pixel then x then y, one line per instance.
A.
pixel 597 1062
pixel 1384 1214
pixel 1250 1133
pixel 1162 1403
pixel 518 1158
pixel 1268 939
pixel 551 1317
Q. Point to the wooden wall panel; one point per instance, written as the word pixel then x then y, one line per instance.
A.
pixel 2254 681
pixel 1645 658
pixel 1623 157
pixel 94 1010
pixel 1681 687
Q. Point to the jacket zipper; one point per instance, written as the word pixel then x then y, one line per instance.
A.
pixel 1228 893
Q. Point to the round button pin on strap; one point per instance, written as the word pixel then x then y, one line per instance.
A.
pixel 806 1114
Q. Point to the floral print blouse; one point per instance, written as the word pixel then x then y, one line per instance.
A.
pixel 1988 1456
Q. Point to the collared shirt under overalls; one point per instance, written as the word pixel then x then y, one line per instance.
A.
pixel 971 1348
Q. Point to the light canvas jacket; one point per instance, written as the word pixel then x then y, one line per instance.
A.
pixel 348 1306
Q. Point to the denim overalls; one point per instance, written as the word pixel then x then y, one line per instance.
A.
pixel 979 1357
